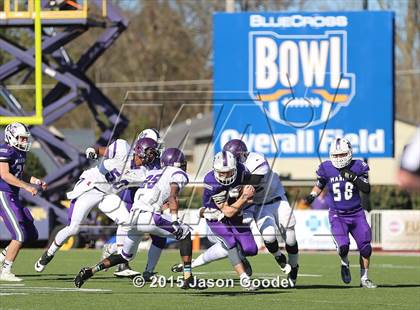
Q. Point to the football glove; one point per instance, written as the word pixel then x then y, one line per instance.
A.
pixel 219 198
pixel 213 214
pixel 178 231
pixel 310 198
pixel 349 175
pixel 91 153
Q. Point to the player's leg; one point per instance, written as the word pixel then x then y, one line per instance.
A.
pixel 116 209
pixel 340 233
pixel 19 222
pixel 129 251
pixel 362 234
pixel 266 223
pixel 153 256
pixel 78 211
pixel 286 222
pixel 224 232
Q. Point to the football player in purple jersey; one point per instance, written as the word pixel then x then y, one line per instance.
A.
pixel 16 217
pixel 343 177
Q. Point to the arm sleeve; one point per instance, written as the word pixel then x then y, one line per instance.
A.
pixel 207 200
pixel 321 177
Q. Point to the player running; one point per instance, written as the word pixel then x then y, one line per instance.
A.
pixel 117 169
pixel 125 199
pixel 17 218
pixel 162 187
pixel 225 189
pixel 270 210
pixel 343 178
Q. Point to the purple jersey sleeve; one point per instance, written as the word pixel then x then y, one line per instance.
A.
pixel 210 188
pixel 360 167
pixel 6 153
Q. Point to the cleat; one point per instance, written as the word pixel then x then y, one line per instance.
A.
pixel 43 261
pixel 247 285
pixel 282 262
pixel 292 276
pixel 84 274
pixel 177 267
pixel 367 284
pixel 148 276
pixel 345 274
pixel 8 276
pixel 194 283
pixel 124 271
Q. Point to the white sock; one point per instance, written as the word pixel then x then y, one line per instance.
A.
pixel 363 274
pixel 119 238
pixel 7 265
pixel 153 257
pixel 345 261
pixel 53 248
pixel 293 259
pixel 3 254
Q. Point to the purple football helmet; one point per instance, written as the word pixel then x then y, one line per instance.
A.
pixel 146 149
pixel 238 149
pixel 173 157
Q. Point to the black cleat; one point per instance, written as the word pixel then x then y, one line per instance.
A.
pixel 282 262
pixel 345 274
pixel 247 266
pixel 43 261
pixel 177 267
pixel 292 276
pixel 148 276
pixel 194 283
pixel 84 274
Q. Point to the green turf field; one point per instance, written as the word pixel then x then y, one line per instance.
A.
pixel 319 287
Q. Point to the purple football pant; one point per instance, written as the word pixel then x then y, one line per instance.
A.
pixel 17 219
pixel 233 235
pixel 354 223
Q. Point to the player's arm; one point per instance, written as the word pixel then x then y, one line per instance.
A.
pixel 361 182
pixel 316 190
pixel 229 210
pixel 36 181
pixel 12 180
pixel 94 152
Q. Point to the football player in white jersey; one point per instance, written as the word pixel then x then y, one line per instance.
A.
pixel 124 199
pixel 115 170
pixel 161 187
pixel 270 210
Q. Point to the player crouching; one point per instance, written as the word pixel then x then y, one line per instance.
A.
pixel 344 178
pixel 162 187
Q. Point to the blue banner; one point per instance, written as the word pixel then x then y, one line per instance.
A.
pixel 289 83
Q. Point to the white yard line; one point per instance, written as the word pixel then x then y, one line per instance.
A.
pixel 49 289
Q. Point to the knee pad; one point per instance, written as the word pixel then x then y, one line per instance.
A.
pixel 158 242
pixel 269 235
pixel 343 250
pixel 290 237
pixel 185 246
pixel 292 249
pixel 272 247
pixel 366 251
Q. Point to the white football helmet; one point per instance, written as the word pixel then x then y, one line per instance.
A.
pixel 153 134
pixel 340 153
pixel 18 136
pixel 224 166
